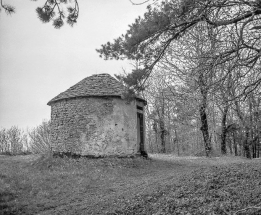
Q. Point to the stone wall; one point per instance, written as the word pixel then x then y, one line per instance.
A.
pixel 94 126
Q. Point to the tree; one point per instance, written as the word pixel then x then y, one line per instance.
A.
pixel 172 125
pixel 149 38
pixel 39 138
pixel 53 10
pixel 12 140
pixel 190 64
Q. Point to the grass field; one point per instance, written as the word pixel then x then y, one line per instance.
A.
pixel 162 185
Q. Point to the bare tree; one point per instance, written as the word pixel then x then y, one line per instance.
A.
pixel 40 138
pixel 4 139
pixel 12 140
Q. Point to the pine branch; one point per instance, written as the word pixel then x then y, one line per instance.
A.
pixel 47 13
pixel 8 8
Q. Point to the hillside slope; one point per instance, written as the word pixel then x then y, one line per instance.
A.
pixel 162 185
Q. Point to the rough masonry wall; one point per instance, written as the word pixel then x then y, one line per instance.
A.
pixel 94 126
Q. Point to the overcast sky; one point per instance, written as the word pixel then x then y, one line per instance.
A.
pixel 37 62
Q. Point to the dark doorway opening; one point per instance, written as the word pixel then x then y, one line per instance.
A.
pixel 140 130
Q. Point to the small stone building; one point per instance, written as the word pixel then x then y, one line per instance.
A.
pixel 92 118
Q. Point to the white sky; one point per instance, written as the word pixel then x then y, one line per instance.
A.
pixel 37 62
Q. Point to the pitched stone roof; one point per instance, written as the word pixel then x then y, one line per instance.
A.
pixel 95 85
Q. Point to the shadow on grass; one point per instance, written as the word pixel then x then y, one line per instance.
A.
pixel 7 205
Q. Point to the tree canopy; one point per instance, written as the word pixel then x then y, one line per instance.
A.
pixel 148 39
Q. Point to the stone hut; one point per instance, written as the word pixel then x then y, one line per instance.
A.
pixel 92 118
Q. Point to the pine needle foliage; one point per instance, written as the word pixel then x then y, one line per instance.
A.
pixel 58 23
pixel 9 9
pixel 133 82
pixel 45 14
pixel 53 11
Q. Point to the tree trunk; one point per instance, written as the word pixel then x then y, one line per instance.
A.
pixel 224 131
pixel 203 118
pixel 162 136
pixel 251 126
pixel 258 128
pixel 235 144
pixel 204 129
pixel 230 147
pixel 246 145
pixel 258 147
pixel 155 129
pixel 162 125
pixel 177 140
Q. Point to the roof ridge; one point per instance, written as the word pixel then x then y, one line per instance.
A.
pixel 102 84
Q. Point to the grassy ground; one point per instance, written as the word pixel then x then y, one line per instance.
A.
pixel 163 185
